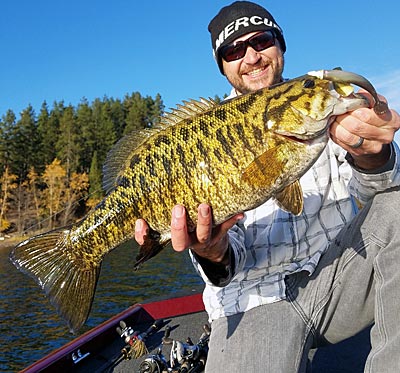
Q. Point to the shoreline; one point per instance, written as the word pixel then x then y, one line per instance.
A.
pixel 10 242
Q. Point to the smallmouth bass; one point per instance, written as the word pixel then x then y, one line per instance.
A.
pixel 233 156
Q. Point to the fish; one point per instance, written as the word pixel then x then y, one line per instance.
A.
pixel 234 156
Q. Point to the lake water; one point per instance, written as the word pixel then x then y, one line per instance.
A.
pixel 29 326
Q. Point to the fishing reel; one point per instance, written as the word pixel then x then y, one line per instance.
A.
pixel 185 357
pixel 155 363
pixel 190 357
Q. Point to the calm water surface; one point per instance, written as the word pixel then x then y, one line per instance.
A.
pixel 29 326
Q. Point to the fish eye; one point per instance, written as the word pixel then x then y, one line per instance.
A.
pixel 309 83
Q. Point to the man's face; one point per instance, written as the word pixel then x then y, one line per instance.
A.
pixel 255 70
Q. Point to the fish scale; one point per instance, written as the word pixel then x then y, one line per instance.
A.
pixel 233 156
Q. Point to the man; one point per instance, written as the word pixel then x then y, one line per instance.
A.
pixel 278 284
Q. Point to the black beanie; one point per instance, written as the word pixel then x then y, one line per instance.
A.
pixel 238 19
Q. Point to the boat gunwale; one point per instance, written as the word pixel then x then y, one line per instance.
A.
pixel 137 313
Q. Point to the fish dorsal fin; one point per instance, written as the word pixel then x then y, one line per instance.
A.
pixel 187 110
pixel 120 153
pixel 265 170
pixel 291 198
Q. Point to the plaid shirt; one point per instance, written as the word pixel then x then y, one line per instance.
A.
pixel 269 243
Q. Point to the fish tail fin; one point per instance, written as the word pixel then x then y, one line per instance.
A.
pixel 70 288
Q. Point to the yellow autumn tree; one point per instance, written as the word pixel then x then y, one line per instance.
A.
pixel 54 176
pixel 8 184
pixel 76 190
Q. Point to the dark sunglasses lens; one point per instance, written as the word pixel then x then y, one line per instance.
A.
pixel 258 42
pixel 233 52
pixel 262 41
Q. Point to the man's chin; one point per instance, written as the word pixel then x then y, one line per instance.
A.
pixel 253 86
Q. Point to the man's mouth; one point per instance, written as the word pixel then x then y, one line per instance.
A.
pixel 256 72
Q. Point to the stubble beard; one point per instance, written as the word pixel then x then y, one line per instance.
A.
pixel 243 87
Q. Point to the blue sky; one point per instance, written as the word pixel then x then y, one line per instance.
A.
pixel 54 50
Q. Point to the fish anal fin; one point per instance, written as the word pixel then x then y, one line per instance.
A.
pixel 291 198
pixel 151 246
pixel 265 169
pixel 69 287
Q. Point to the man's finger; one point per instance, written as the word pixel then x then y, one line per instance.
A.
pixel 204 223
pixel 179 235
pixel 141 229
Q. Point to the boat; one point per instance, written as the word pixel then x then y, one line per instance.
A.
pixel 171 335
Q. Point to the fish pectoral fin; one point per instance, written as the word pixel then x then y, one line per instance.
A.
pixel 265 169
pixel 291 198
pixel 70 288
pixel 151 247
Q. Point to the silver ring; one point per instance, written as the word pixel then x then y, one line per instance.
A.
pixel 358 144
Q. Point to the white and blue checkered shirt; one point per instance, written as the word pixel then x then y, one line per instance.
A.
pixel 269 243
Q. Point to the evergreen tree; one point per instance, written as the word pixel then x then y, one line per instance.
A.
pixel 117 115
pixel 48 130
pixel 6 127
pixel 105 135
pixel 24 144
pixel 95 177
pixel 155 109
pixel 84 119
pixel 136 108
pixel 68 144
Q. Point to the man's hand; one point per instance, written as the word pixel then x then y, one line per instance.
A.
pixel 377 131
pixel 206 241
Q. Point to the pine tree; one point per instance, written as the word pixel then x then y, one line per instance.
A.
pixel 95 189
pixel 68 144
pixel 24 143
pixel 155 109
pixel 6 127
pixel 105 135
pixel 117 115
pixel 84 120
pixel 136 108
pixel 48 124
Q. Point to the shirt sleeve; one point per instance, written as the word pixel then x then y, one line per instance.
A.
pixel 218 274
pixel 365 184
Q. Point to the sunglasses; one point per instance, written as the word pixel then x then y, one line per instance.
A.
pixel 237 50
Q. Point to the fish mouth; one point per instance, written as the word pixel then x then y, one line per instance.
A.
pixel 317 137
pixel 346 77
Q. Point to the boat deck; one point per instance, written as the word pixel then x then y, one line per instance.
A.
pixel 346 357
pixel 100 349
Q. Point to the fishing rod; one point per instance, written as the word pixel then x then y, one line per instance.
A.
pixel 135 346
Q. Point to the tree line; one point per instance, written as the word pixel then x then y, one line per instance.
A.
pixel 51 162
